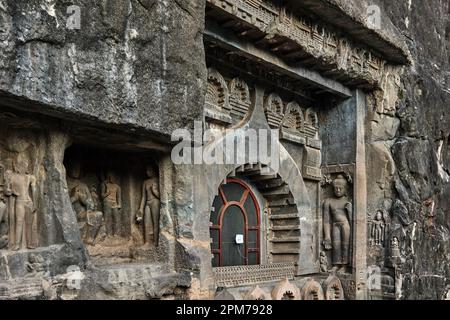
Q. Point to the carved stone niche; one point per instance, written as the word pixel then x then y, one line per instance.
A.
pixel 285 290
pixel 311 290
pixel 333 289
pixel 257 293
pixel 19 190
pixel 338 217
pixel 115 197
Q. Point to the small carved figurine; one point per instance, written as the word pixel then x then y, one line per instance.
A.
pixel 36 264
pixel 378 229
pixel 323 262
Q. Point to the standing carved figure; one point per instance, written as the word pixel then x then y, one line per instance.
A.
pixel 112 204
pixel 21 191
pixel 150 207
pixel 3 220
pixel 337 214
pixel 378 229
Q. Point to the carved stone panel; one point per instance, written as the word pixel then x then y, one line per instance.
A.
pixel 311 290
pixel 239 99
pixel 116 203
pixel 257 293
pixel 285 290
pixel 332 288
pixel 217 102
pixel 338 219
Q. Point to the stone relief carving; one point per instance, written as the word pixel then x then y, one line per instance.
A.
pixel 293 118
pixel 274 109
pixel 337 217
pixel 239 98
pixel 36 265
pixel 3 213
pixel 149 209
pixel 20 189
pixel 311 290
pixel 312 161
pixel 257 293
pixel 323 262
pixel 285 290
pixel 379 228
pixel 311 126
pixel 112 205
pixel 253 274
pixel 315 39
pixel 217 108
pixel 333 289
pixel 90 220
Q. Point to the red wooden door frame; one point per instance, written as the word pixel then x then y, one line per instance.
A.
pixel 240 204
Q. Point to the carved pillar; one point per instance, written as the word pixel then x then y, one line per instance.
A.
pixel 360 201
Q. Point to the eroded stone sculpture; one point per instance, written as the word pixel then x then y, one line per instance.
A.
pixel 89 219
pixel 3 220
pixel 21 191
pixel 378 229
pixel 150 207
pixel 337 214
pixel 323 262
pixel 112 205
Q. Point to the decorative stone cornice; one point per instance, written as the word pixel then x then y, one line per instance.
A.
pixel 338 55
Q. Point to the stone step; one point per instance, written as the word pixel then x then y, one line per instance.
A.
pixel 281 203
pixel 285 228
pixel 292 209
pixel 284 190
pixel 265 177
pixel 270 184
pixel 284 216
pixel 285 251
pixel 285 240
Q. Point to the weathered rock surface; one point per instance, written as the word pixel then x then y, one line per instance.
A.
pixel 126 65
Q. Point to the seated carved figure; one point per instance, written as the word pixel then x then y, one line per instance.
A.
pixel 337 214
pixel 89 220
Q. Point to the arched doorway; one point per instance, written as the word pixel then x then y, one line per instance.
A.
pixel 235 225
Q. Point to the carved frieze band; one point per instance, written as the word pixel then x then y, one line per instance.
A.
pixel 315 39
pixel 248 275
